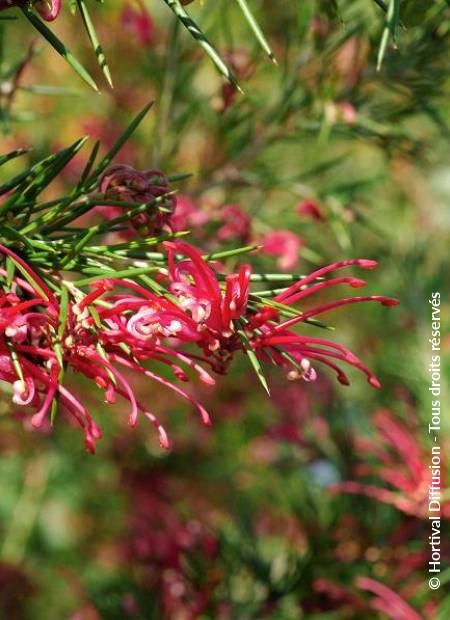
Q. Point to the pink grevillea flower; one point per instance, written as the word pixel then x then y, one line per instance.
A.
pixel 284 244
pixel 402 463
pixel 137 21
pixel 119 325
pixel 125 184
pixel 216 318
pixel 387 601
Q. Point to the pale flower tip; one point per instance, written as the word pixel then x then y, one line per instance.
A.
pixel 205 378
pixel 205 418
pixel 366 263
pixel 36 421
pixel 357 283
pixel 89 444
pixel 373 381
pixel 163 439
pixel 343 380
pixel 390 301
pixel 96 432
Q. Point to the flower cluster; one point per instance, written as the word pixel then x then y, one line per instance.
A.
pixel 192 322
pixel 124 183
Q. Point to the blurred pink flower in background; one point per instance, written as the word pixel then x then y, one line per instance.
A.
pixel 387 601
pixel 236 224
pixel 310 209
pixel 188 216
pixel 164 544
pixel 402 463
pixel 285 245
pixel 137 21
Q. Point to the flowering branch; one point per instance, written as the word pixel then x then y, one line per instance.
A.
pixel 133 305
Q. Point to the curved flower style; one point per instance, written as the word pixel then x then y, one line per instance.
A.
pixel 387 601
pixel 120 325
pixel 401 463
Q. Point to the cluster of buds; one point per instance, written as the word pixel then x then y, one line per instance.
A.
pixel 119 326
pixel 126 184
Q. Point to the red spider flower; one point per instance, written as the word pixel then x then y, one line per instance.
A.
pixel 217 318
pixel 402 463
pixel 120 325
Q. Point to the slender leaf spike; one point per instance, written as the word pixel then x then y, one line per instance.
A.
pixel 390 26
pixel 107 159
pixel 256 29
pixel 59 47
pixel 254 361
pixel 94 40
pixel 203 41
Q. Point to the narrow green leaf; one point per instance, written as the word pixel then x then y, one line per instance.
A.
pixel 229 253
pixel 391 23
pixel 63 305
pixel 203 41
pixel 15 359
pixel 10 271
pixel 94 40
pixel 256 29
pixel 59 47
pixel 89 164
pixel 125 273
pixel 12 155
pixel 31 182
pixel 107 159
pixel 253 359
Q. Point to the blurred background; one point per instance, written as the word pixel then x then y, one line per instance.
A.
pixel 310 504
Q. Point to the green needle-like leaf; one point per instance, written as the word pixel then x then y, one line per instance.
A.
pixel 253 359
pixel 391 23
pixel 94 40
pixel 59 47
pixel 12 155
pixel 202 39
pixel 107 159
pixel 256 29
